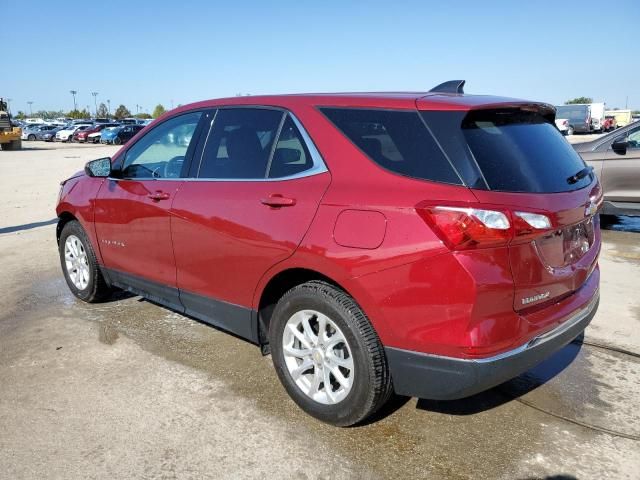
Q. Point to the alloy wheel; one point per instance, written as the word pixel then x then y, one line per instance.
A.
pixel 76 262
pixel 318 357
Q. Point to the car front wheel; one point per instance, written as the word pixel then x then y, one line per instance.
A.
pixel 80 266
pixel 327 355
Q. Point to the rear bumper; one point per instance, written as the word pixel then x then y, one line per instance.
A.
pixel 446 378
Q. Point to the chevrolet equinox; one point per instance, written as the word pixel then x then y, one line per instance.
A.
pixel 430 244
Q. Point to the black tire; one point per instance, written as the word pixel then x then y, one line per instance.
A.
pixel 31 137
pixel 570 131
pixel 117 141
pixel 97 288
pixel 372 383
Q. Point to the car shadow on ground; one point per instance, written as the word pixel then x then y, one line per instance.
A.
pixel 510 390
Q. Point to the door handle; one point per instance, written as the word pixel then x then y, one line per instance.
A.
pixel 276 201
pixel 158 195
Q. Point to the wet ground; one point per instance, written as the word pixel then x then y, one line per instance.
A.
pixel 129 389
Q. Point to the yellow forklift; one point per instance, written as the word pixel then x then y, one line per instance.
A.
pixel 9 135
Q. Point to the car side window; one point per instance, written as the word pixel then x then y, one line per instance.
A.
pixel 161 152
pixel 291 156
pixel 634 138
pixel 239 143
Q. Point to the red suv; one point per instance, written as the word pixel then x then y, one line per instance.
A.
pixel 432 244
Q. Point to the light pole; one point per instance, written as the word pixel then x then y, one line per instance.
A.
pixel 137 108
pixel 30 108
pixel 73 92
pixel 108 108
pixel 95 101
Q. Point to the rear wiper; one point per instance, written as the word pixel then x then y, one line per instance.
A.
pixel 580 175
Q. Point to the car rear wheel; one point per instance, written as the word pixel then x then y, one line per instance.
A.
pixel 327 355
pixel 117 141
pixel 570 131
pixel 80 266
pixel 31 137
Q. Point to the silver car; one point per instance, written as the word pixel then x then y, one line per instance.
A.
pixel 615 158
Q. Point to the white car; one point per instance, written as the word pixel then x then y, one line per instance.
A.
pixel 94 137
pixel 563 126
pixel 66 134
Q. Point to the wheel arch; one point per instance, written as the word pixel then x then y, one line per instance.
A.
pixel 63 218
pixel 280 283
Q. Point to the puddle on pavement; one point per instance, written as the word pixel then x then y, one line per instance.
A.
pixel 586 384
pixel 412 438
pixel 621 247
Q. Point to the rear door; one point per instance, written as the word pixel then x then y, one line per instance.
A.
pixel 621 171
pixel 254 192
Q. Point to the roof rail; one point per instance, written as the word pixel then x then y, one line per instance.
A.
pixel 452 86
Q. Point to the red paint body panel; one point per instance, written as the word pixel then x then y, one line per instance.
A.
pixel 77 197
pixel 225 239
pixel 134 230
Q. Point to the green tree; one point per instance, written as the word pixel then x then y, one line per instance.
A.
pixel 158 111
pixel 142 115
pixel 20 115
pixel 579 100
pixel 122 112
pixel 78 114
pixel 103 112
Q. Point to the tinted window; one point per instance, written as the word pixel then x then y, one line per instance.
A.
pixel 396 140
pixel 240 143
pixel 291 155
pixel 160 153
pixel 521 151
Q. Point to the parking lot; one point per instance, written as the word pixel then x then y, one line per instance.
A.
pixel 129 389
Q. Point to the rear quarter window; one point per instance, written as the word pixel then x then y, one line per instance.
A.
pixel 397 140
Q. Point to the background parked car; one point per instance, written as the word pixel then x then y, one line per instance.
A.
pixel 83 135
pixel 66 134
pixel 579 117
pixel 95 136
pixel 615 158
pixel 562 124
pixel 48 135
pixel 29 132
pixel 610 123
pixel 119 135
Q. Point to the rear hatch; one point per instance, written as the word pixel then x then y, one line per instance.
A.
pixel 516 162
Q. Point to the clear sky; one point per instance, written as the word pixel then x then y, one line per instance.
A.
pixel 147 52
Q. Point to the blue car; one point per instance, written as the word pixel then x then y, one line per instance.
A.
pixel 119 135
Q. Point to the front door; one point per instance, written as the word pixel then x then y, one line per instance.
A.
pixel 621 173
pixel 132 212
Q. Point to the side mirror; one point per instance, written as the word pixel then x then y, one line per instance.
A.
pixel 620 145
pixel 98 168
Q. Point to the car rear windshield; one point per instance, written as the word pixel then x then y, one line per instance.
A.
pixel 397 140
pixel 521 151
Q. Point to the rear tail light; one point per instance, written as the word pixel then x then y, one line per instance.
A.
pixel 463 228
